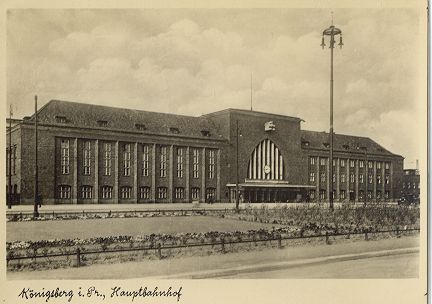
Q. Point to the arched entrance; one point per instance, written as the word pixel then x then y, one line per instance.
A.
pixel 266 178
pixel 266 162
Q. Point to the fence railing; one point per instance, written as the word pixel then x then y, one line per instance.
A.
pixel 79 253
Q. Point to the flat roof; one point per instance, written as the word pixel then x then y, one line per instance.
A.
pixel 252 113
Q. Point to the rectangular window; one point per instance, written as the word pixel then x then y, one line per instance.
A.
pixel 312 160
pixel 378 179
pixel 342 194
pixel 205 133
pixel 102 123
pixel 369 195
pixel 64 192
pixel 312 177
pixel 162 192
pixel 387 179
pixel 106 192
pixel 87 158
pixel 86 192
pixel 378 164
pixel 195 169
pixel 180 162
pixel 323 161
pixel 387 194
pixel 352 163
pixel 174 130
pixel 409 186
pixel 145 160
pixel 312 194
pixel 163 161
pixel 361 179
pixel 107 159
pixel 140 127
pixel 404 185
pixel 323 177
pixel 61 119
pixel 126 159
pixel 352 178
pixel 334 177
pixel 361 163
pixel 210 194
pixel 195 193
pixel 179 193
pixel 125 192
pixel 211 164
pixel 342 177
pixel 342 163
pixel 414 185
pixel 387 166
pixel 7 160
pixel 370 164
pixel 334 162
pixel 322 194
pixel 370 178
pixel 64 152
pixel 14 159
pixel 144 192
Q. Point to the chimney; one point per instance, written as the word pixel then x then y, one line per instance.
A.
pixel 417 167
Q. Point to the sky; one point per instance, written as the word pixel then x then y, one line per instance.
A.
pixel 195 61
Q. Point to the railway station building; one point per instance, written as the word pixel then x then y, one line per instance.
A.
pixel 91 154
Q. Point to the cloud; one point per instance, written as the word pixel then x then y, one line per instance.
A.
pixel 183 62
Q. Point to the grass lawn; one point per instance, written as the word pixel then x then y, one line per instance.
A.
pixel 70 229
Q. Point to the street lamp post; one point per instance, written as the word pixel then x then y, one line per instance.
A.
pixel 332 32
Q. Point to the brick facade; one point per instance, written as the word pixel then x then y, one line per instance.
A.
pixel 173 158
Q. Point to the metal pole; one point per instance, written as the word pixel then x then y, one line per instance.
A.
pixel 10 159
pixel 36 190
pixel 237 166
pixel 251 93
pixel 331 121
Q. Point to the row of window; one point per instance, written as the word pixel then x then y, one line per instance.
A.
pixel 145 163
pixel 138 126
pixel 413 185
pixel 106 192
pixel 343 194
pixel 323 162
pixel 312 178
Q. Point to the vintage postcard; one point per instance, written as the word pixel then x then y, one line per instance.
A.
pixel 268 152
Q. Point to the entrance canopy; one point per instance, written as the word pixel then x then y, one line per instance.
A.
pixel 269 191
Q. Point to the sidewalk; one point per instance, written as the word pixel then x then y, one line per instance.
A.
pixel 121 207
pixel 287 265
pixel 208 266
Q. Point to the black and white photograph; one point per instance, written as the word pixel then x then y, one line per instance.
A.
pixel 274 144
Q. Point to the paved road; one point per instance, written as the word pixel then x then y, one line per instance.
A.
pixel 392 266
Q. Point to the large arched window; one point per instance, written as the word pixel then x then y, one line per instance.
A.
pixel 266 162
